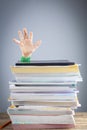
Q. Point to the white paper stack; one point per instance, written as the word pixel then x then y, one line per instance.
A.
pixel 44 95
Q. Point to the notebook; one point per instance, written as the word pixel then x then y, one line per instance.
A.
pixel 46 63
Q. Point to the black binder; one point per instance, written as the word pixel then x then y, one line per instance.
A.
pixel 46 63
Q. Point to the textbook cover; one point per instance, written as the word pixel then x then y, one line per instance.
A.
pixel 46 63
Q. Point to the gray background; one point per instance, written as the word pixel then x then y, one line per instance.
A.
pixel 60 24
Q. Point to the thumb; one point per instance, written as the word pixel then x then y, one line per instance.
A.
pixel 16 41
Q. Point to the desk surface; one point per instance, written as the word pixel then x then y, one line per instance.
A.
pixel 80 118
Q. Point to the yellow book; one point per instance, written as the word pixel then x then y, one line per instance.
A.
pixel 45 69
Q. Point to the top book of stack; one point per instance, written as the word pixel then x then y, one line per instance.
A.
pixel 62 70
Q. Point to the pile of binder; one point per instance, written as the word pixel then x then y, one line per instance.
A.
pixel 44 94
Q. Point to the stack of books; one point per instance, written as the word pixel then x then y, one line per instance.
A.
pixel 44 94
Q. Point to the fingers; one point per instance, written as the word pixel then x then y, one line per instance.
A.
pixel 37 44
pixel 31 36
pixel 25 33
pixel 20 35
pixel 16 41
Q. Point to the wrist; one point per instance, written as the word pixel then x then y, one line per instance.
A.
pixel 27 54
pixel 25 59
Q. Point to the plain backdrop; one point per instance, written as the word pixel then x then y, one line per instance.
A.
pixel 60 24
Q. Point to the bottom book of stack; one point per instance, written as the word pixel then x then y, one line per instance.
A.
pixel 24 117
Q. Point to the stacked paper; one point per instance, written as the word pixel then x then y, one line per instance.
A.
pixel 44 95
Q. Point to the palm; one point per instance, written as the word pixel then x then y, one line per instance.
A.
pixel 27 47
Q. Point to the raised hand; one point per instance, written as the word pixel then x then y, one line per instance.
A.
pixel 26 43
